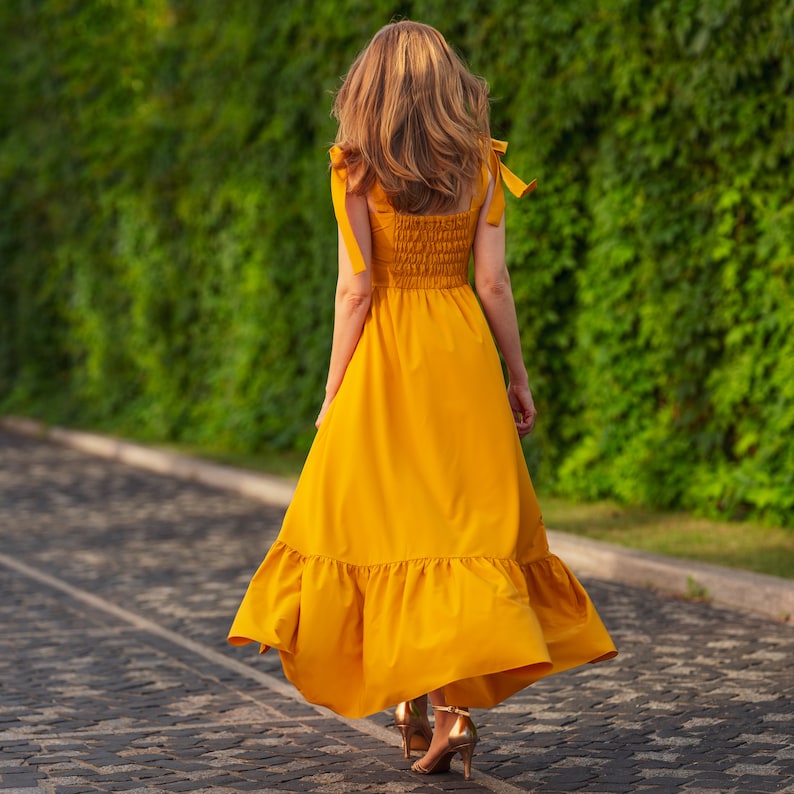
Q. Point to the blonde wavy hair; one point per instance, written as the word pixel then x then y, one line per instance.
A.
pixel 413 119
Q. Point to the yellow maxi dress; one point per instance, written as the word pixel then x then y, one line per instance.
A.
pixel 413 554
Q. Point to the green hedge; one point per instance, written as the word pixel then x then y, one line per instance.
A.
pixel 167 245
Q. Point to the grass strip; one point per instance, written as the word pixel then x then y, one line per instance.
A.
pixel 734 544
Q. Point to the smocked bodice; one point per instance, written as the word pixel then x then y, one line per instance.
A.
pixel 422 251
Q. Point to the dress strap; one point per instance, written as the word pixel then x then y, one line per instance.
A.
pixel 338 195
pixel 502 174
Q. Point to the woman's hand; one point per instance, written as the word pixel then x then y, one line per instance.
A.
pixel 323 411
pixel 523 407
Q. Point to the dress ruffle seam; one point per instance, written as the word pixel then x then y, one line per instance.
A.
pixel 550 557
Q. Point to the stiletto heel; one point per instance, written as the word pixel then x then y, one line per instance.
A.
pixel 462 739
pixel 414 727
pixel 466 753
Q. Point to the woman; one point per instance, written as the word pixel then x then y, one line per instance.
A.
pixel 413 558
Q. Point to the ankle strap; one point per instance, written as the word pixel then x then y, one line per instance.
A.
pixel 452 710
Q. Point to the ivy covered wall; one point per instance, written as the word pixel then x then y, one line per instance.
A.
pixel 167 245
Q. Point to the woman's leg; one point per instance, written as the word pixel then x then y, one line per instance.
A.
pixel 444 721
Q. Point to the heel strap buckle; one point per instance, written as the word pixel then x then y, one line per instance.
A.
pixel 452 710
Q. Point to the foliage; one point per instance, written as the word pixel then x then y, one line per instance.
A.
pixel 167 247
pixel 685 355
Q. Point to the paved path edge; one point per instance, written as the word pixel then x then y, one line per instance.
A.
pixel 769 596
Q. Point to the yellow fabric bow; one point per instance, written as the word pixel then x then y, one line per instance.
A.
pixel 338 194
pixel 516 186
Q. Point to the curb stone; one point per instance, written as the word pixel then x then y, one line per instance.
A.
pixel 760 594
pixel 262 487
pixel 769 596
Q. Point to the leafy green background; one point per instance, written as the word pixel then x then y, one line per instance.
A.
pixel 167 246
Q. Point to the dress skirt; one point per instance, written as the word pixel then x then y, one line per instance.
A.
pixel 413 555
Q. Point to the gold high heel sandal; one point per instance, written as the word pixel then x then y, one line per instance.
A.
pixel 462 739
pixel 414 727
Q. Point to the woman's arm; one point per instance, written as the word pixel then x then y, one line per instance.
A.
pixel 353 297
pixel 496 296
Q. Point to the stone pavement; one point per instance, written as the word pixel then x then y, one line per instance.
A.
pixel 118 587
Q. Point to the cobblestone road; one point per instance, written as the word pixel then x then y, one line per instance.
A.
pixel 118 587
